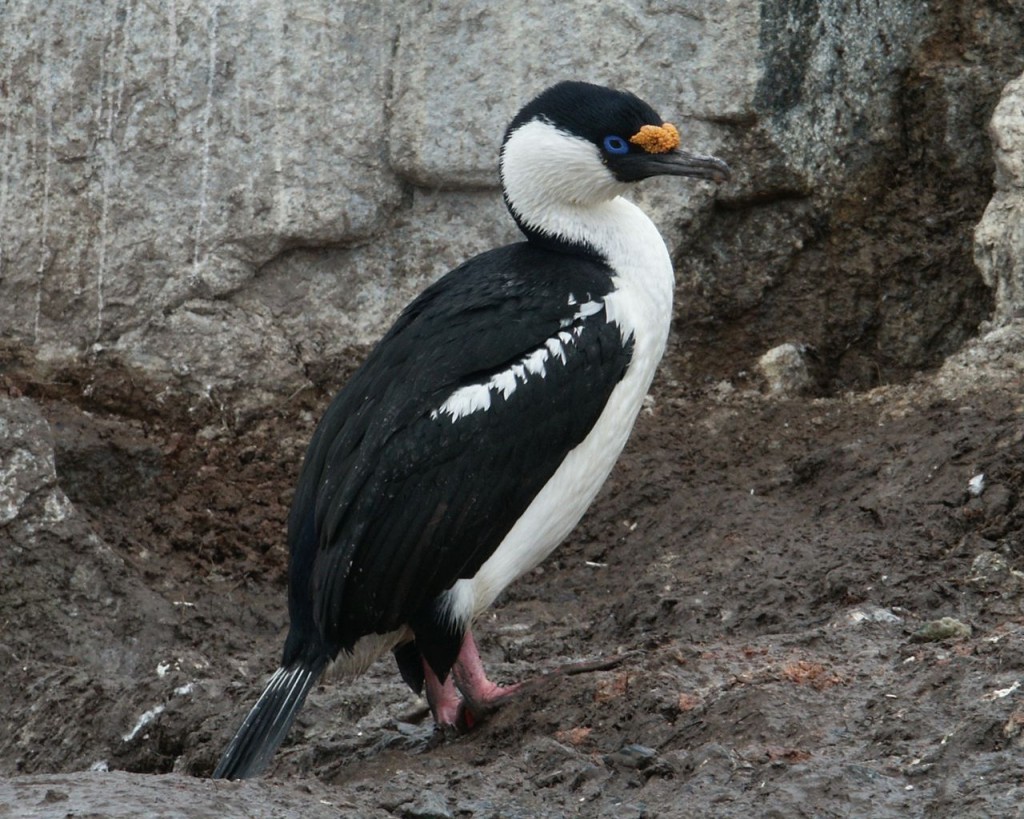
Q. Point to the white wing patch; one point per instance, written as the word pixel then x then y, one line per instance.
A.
pixel 466 400
pixel 586 309
pixel 555 348
pixel 534 362
pixel 477 397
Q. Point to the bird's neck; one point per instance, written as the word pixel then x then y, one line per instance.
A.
pixel 596 227
pixel 613 229
pixel 621 235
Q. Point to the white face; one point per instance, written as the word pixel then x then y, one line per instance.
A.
pixel 543 168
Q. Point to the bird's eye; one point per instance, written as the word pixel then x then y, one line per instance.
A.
pixel 616 145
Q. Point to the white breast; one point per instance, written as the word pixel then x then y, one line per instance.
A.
pixel 641 305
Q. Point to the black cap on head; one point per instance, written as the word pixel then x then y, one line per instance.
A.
pixel 588 111
pixel 632 140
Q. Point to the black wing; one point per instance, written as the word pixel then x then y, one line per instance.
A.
pixel 402 494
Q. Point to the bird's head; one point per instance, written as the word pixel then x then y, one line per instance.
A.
pixel 583 144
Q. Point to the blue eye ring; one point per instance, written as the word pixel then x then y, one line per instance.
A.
pixel 616 145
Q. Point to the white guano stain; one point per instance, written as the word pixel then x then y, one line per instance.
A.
pixel 204 174
pixel 44 232
pixel 6 122
pixel 146 718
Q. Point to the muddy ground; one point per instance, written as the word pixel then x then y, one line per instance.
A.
pixel 766 568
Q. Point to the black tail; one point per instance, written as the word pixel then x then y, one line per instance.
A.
pixel 268 722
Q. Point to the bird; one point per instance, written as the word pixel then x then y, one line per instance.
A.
pixel 481 426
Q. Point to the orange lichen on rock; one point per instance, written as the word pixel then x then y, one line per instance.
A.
pixel 657 139
pixel 574 736
pixel 803 672
pixel 609 690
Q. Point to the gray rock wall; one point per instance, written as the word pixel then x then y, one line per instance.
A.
pixel 999 238
pixel 996 356
pixel 155 158
pixel 225 197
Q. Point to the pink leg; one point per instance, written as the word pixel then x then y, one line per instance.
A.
pixel 479 693
pixel 480 696
pixel 443 697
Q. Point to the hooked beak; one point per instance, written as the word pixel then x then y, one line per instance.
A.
pixel 636 166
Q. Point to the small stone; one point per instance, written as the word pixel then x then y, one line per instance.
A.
pixel 946 628
pixel 990 571
pixel 53 795
pixel 786 370
pixel 871 614
pixel 625 810
pixel 632 756
pixel 428 805
pixel 589 773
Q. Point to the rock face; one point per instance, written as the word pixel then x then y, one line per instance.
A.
pixel 996 356
pixel 224 198
pixel 999 237
pixel 155 160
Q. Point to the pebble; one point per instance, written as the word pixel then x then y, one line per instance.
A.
pixel 946 628
pixel 632 756
pixel 428 805
pixel 872 614
pixel 785 369
pixel 991 571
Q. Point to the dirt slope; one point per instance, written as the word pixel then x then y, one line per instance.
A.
pixel 768 567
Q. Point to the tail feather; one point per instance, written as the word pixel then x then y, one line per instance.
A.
pixel 267 724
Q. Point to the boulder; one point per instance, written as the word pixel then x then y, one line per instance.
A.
pixel 999 237
pixel 227 199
